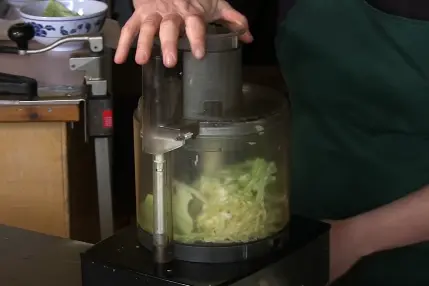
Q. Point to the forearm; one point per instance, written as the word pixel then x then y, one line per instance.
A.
pixel 401 223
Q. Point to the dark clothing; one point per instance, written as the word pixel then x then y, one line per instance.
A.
pixel 413 9
pixel 358 80
pixel 262 19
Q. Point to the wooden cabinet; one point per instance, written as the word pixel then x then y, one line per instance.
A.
pixel 47 179
pixel 34 177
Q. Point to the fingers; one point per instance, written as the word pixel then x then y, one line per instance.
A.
pixel 169 32
pixel 196 31
pixel 148 30
pixel 235 21
pixel 128 34
pixel 169 27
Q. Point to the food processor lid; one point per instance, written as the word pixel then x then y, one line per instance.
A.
pixel 262 108
pixel 218 39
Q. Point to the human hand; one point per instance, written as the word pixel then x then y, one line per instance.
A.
pixel 168 18
pixel 347 247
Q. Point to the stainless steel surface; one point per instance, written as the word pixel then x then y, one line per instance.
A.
pixel 89 63
pixel 103 152
pixel 162 212
pixel 94 71
pixel 28 258
pixel 60 91
pixel 44 101
pixel 95 44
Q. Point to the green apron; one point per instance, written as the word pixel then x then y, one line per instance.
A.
pixel 359 91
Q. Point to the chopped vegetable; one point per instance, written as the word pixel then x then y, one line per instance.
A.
pixel 57 9
pixel 240 203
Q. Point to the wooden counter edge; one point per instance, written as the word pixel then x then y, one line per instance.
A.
pixel 40 113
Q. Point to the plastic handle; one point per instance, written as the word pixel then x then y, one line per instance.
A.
pixel 8 50
pixel 21 34
pixel 14 86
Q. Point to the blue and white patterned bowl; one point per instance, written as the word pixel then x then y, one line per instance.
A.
pixel 50 29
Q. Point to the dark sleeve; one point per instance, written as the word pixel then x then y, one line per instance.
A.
pixel 284 8
pixel 413 9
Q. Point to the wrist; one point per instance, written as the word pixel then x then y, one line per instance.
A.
pixel 137 3
pixel 363 235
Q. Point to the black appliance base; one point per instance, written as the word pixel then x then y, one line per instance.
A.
pixel 121 261
pixel 216 253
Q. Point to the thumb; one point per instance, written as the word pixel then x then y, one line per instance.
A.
pixel 235 21
pixel 328 221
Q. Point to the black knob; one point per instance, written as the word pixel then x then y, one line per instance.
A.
pixel 21 34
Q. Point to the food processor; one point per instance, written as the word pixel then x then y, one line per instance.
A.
pixel 212 165
pixel 219 190
pixel 212 183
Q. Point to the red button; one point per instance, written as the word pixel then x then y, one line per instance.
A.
pixel 107 118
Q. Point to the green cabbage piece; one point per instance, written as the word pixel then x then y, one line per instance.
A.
pixel 240 203
pixel 57 9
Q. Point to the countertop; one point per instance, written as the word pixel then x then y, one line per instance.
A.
pixel 28 258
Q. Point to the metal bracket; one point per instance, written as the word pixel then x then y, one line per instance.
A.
pixel 163 139
pixel 92 66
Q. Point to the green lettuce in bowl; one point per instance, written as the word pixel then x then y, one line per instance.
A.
pixel 57 9
pixel 56 19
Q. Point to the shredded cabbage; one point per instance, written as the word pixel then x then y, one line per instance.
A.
pixel 57 9
pixel 238 204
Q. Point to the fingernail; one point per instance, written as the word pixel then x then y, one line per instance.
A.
pixel 169 59
pixel 238 23
pixel 143 57
pixel 199 53
pixel 117 59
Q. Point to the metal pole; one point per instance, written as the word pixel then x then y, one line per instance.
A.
pixel 103 157
pixel 162 225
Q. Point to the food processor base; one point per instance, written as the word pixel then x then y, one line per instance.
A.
pixel 121 260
